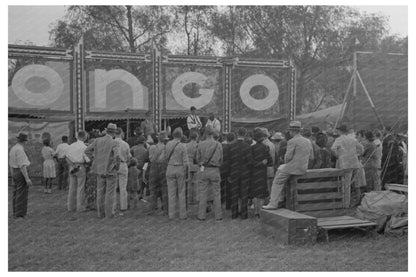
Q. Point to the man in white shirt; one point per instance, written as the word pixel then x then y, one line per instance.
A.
pixel 62 165
pixel 122 174
pixel 18 163
pixel 76 160
pixel 214 123
pixel 347 149
pixel 193 121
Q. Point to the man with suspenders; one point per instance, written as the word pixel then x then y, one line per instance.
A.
pixel 178 163
pixel 209 157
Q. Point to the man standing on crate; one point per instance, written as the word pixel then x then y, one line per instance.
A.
pixel 299 150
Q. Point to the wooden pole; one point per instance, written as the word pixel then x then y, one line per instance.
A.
pixel 370 99
pixel 344 102
pixel 128 129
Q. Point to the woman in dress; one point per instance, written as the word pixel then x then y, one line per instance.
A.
pixel 49 172
pixel 258 190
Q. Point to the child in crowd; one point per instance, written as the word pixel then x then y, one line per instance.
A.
pixel 132 184
pixel 49 172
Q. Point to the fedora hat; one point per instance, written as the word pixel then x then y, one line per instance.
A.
pixel 265 132
pixel 163 136
pixel 343 128
pixel 277 136
pixel 111 128
pixel 295 125
pixel 22 137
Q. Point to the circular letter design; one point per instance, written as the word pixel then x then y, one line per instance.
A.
pixel 259 104
pixel 37 99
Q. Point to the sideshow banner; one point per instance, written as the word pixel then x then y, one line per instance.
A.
pixel 116 88
pixel 33 148
pixel 40 84
pixel 385 76
pixel 259 93
pixel 187 86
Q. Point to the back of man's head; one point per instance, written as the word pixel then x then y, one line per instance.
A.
pixel 177 133
pixel 82 135
pixel 209 131
pixel 64 139
pixel 242 132
pixel 193 135
pixel 230 137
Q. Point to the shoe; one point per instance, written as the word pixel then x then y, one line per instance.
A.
pixel 269 207
pixel 45 191
pixel 50 191
pixel 218 219
pixel 200 219
pixel 257 215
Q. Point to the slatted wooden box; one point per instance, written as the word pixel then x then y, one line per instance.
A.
pixel 319 193
pixel 288 227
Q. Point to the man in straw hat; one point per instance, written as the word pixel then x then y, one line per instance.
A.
pixel 106 164
pixel 299 149
pixel 18 163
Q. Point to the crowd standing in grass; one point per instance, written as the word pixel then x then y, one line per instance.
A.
pixel 233 171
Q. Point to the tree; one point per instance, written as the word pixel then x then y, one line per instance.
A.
pixel 116 28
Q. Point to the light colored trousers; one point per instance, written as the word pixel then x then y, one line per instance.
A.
pixel 122 184
pixel 279 181
pixel 193 188
pixel 76 190
pixel 106 188
pixel 175 179
pixel 209 179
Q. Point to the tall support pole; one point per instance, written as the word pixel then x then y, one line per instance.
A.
pixel 344 103
pixel 156 109
pixel 354 86
pixel 79 88
pixel 227 97
pixel 292 92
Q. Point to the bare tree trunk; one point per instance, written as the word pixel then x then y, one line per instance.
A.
pixel 130 30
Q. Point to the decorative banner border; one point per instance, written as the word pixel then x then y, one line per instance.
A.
pixel 78 56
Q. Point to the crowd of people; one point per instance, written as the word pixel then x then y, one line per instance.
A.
pixel 235 171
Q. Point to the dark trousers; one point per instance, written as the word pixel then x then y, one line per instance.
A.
pixel 20 194
pixel 62 174
pixel 225 192
pixel 239 190
pixel 157 185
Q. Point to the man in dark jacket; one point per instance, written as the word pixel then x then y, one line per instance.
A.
pixel 238 160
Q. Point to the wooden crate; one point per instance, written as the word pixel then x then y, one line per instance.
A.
pixel 288 227
pixel 319 192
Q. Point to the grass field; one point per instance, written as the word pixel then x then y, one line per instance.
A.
pixel 52 239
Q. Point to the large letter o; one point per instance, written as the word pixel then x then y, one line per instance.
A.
pixel 259 80
pixel 37 99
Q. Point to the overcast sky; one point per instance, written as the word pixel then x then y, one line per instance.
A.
pixel 32 23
